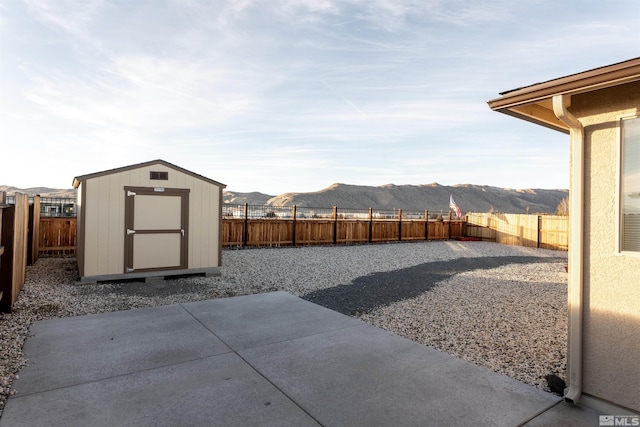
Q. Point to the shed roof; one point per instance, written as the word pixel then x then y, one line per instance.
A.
pixel 79 179
pixel 534 103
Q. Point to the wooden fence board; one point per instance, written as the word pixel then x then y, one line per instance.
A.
pixel 542 231
pixel 57 235
pixel 315 232
pixel 456 229
pixel 555 232
pixel 384 230
pixel 438 230
pixel 414 230
pixel 271 232
pixel 352 231
pixel 13 262
pixel 232 232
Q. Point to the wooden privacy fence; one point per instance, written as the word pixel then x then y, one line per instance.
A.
pixel 300 228
pixel 538 231
pixel 58 235
pixel 14 247
pixel 278 232
pixel 289 227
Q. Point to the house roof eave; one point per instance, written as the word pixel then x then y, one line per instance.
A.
pixel 586 81
pixel 561 127
pixel 528 103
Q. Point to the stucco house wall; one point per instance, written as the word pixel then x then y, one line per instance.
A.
pixel 603 359
pixel 611 310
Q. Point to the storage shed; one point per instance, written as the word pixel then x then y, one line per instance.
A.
pixel 151 219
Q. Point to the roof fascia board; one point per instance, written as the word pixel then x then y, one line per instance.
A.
pixel 599 78
pixel 79 179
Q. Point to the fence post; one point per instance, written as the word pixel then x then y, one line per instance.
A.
pixel 539 230
pixel 33 244
pixel 399 224
pixel 426 225
pixel 245 231
pixel 449 226
pixel 335 225
pixel 293 236
pixel 463 229
pixel 370 225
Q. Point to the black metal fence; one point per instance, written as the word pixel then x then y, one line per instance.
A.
pixel 231 210
pixel 66 207
pixel 52 206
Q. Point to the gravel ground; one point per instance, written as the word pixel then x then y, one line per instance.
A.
pixel 501 307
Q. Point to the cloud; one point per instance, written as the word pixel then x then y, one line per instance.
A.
pixel 352 90
pixel 70 15
pixel 142 93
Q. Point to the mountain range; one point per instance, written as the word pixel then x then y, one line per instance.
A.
pixel 42 191
pixel 433 197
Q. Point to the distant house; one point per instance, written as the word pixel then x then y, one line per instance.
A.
pixel 599 109
pixel 57 207
pixel 148 219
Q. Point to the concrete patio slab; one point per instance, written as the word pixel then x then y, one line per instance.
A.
pixel 371 377
pixel 75 350
pixel 216 391
pixel 567 415
pixel 255 320
pixel 269 359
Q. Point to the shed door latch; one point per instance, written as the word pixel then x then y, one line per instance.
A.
pixel 130 231
pixel 131 193
pixel 182 231
pixel 130 270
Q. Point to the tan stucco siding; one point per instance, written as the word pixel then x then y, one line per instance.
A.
pixel 611 369
pixel 104 209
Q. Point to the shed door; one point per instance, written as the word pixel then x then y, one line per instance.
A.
pixel 156 229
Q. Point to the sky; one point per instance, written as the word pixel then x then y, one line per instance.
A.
pixel 294 95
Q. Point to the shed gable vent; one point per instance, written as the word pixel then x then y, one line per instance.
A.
pixel 164 176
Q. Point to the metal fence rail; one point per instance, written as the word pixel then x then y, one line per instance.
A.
pixel 52 206
pixel 247 211
pixel 66 207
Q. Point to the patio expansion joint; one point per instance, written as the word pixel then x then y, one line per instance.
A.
pixel 19 395
pixel 284 393
pixel 540 413
pixel 359 325
pixel 257 371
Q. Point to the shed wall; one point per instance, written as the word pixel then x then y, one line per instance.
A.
pixel 611 289
pixel 104 221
